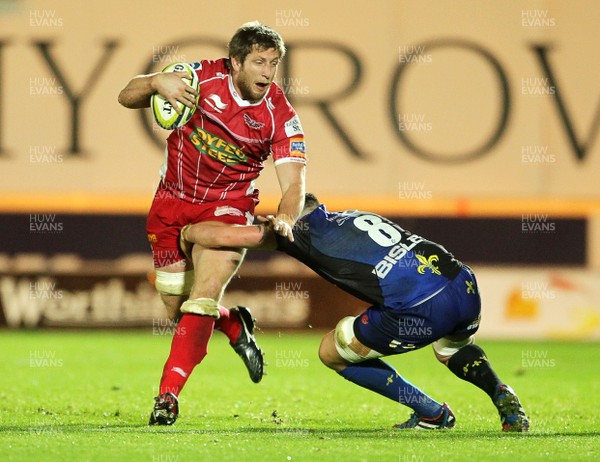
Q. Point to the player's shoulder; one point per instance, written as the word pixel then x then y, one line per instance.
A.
pixel 277 99
pixel 283 112
pixel 212 66
pixel 324 216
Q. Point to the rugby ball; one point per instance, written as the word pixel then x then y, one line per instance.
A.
pixel 164 113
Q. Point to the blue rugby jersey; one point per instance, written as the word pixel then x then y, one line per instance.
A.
pixel 371 257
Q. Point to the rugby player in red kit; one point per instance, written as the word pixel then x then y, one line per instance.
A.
pixel 211 165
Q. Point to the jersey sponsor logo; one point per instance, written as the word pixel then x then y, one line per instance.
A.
pixel 217 148
pixel 228 210
pixel 293 127
pixel 395 254
pixel 297 148
pixel 341 218
pixel 252 123
pixel 214 101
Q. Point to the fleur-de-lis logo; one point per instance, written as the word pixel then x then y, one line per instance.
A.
pixel 470 287
pixel 427 263
pixel 390 380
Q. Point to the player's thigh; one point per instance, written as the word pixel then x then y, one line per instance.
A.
pixel 163 226
pixel 213 269
pixel 393 332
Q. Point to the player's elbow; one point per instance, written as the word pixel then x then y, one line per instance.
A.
pixel 123 100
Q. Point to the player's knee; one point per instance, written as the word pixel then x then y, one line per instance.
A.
pixel 445 348
pixel 323 350
pixel 348 347
pixel 328 353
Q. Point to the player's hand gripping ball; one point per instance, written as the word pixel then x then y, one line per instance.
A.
pixel 164 113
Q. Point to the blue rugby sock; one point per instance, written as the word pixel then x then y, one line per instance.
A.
pixel 378 376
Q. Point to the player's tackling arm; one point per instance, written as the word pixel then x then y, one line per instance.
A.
pixel 218 235
pixel 291 177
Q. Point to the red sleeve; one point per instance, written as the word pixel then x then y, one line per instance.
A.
pixel 288 138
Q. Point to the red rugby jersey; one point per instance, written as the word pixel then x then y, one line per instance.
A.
pixel 220 152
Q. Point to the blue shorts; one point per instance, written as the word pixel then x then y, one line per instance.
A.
pixel 455 311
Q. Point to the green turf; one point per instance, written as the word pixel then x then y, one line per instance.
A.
pixel 86 396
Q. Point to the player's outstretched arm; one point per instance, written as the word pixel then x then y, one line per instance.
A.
pixel 170 85
pixel 291 177
pixel 218 235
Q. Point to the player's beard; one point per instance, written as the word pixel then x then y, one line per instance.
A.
pixel 247 88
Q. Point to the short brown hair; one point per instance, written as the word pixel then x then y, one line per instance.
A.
pixel 254 34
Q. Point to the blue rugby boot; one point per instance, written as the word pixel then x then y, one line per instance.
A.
pixel 445 420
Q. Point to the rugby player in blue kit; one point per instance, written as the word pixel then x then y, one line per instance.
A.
pixel 420 295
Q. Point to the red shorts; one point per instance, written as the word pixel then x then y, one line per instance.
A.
pixel 168 214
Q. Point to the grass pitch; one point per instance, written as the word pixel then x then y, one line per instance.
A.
pixel 86 396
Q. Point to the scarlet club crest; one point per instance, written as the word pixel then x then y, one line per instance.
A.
pixel 253 123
